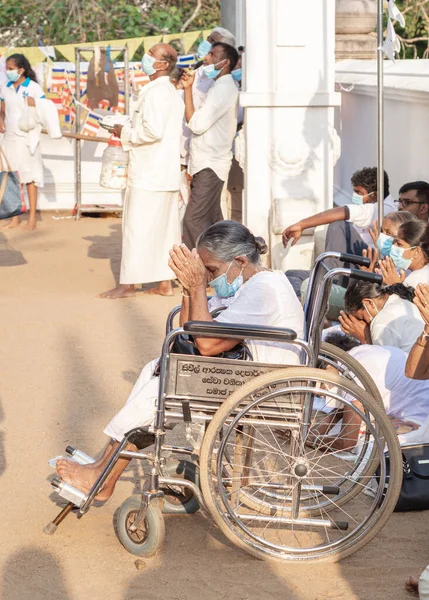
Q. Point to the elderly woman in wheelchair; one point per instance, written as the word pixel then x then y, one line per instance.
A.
pixel 228 258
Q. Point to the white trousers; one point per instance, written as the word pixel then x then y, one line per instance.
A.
pixel 139 409
pixel 150 228
pixel 424 585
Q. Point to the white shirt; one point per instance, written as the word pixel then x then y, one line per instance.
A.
pixel 397 324
pixel 153 138
pixel 14 102
pixel 266 299
pixel 363 216
pixel 200 87
pixel 403 398
pixel 214 126
pixel 418 276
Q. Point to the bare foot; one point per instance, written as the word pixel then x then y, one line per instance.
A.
pixel 121 291
pixel 164 288
pixel 29 225
pixel 82 477
pixel 412 585
pixel 11 224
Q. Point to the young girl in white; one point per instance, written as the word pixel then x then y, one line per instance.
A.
pixel 22 84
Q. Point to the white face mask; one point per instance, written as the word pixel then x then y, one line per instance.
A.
pixel 371 318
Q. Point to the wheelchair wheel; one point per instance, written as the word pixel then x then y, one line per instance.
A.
pixel 180 501
pixel 148 539
pixel 275 496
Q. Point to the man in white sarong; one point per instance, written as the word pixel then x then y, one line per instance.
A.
pixel 150 221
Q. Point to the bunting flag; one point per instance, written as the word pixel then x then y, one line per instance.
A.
pixel 39 54
pixel 189 39
pixel 148 42
pixel 34 55
pixel 68 50
pixel 91 125
pixel 391 45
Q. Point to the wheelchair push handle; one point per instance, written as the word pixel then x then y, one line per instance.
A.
pixel 366 276
pixel 361 261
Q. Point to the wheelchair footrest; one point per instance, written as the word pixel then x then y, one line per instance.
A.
pixel 76 455
pixel 68 492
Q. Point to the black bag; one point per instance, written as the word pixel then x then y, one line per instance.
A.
pixel 184 344
pixel 415 482
pixel 11 199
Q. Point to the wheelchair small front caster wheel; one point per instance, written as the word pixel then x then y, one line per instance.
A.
pixel 180 501
pixel 149 537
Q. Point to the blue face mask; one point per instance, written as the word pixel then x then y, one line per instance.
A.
pixel 203 49
pixel 384 244
pixel 397 255
pixel 236 75
pixel 148 62
pixel 225 289
pixel 211 72
pixel 358 199
pixel 13 75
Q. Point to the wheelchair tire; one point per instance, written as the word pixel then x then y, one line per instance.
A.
pixel 235 498
pixel 184 502
pixel 149 538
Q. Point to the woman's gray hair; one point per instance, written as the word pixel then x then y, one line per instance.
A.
pixel 227 239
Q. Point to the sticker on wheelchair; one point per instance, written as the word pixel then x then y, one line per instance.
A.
pixel 206 378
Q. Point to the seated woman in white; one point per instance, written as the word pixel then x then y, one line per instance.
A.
pixel 228 258
pixel 381 315
pixel 405 400
pixel 408 261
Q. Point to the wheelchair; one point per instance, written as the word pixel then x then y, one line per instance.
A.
pixel 288 461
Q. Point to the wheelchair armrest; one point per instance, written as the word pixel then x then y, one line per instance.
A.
pixel 169 325
pixel 234 330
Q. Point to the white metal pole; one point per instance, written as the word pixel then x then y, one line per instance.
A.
pixel 380 113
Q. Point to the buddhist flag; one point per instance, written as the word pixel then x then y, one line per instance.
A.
pixel 121 103
pixel 104 104
pixel 56 99
pixel 139 79
pixel 58 79
pixel 91 125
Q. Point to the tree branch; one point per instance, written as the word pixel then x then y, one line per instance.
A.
pixel 193 16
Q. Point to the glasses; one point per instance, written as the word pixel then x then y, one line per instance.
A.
pixel 407 203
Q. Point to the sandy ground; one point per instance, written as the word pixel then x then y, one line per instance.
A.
pixel 67 363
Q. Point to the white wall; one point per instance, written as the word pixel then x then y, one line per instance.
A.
pixel 406 107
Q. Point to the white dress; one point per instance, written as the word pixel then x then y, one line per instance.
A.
pixel 150 221
pixel 418 276
pixel 398 324
pixel 15 142
pixel 266 299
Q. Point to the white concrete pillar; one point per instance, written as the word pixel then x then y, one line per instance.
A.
pixel 289 104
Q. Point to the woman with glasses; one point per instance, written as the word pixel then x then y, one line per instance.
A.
pixel 408 261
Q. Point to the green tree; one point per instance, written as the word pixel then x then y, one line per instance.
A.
pixel 414 37
pixel 40 22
